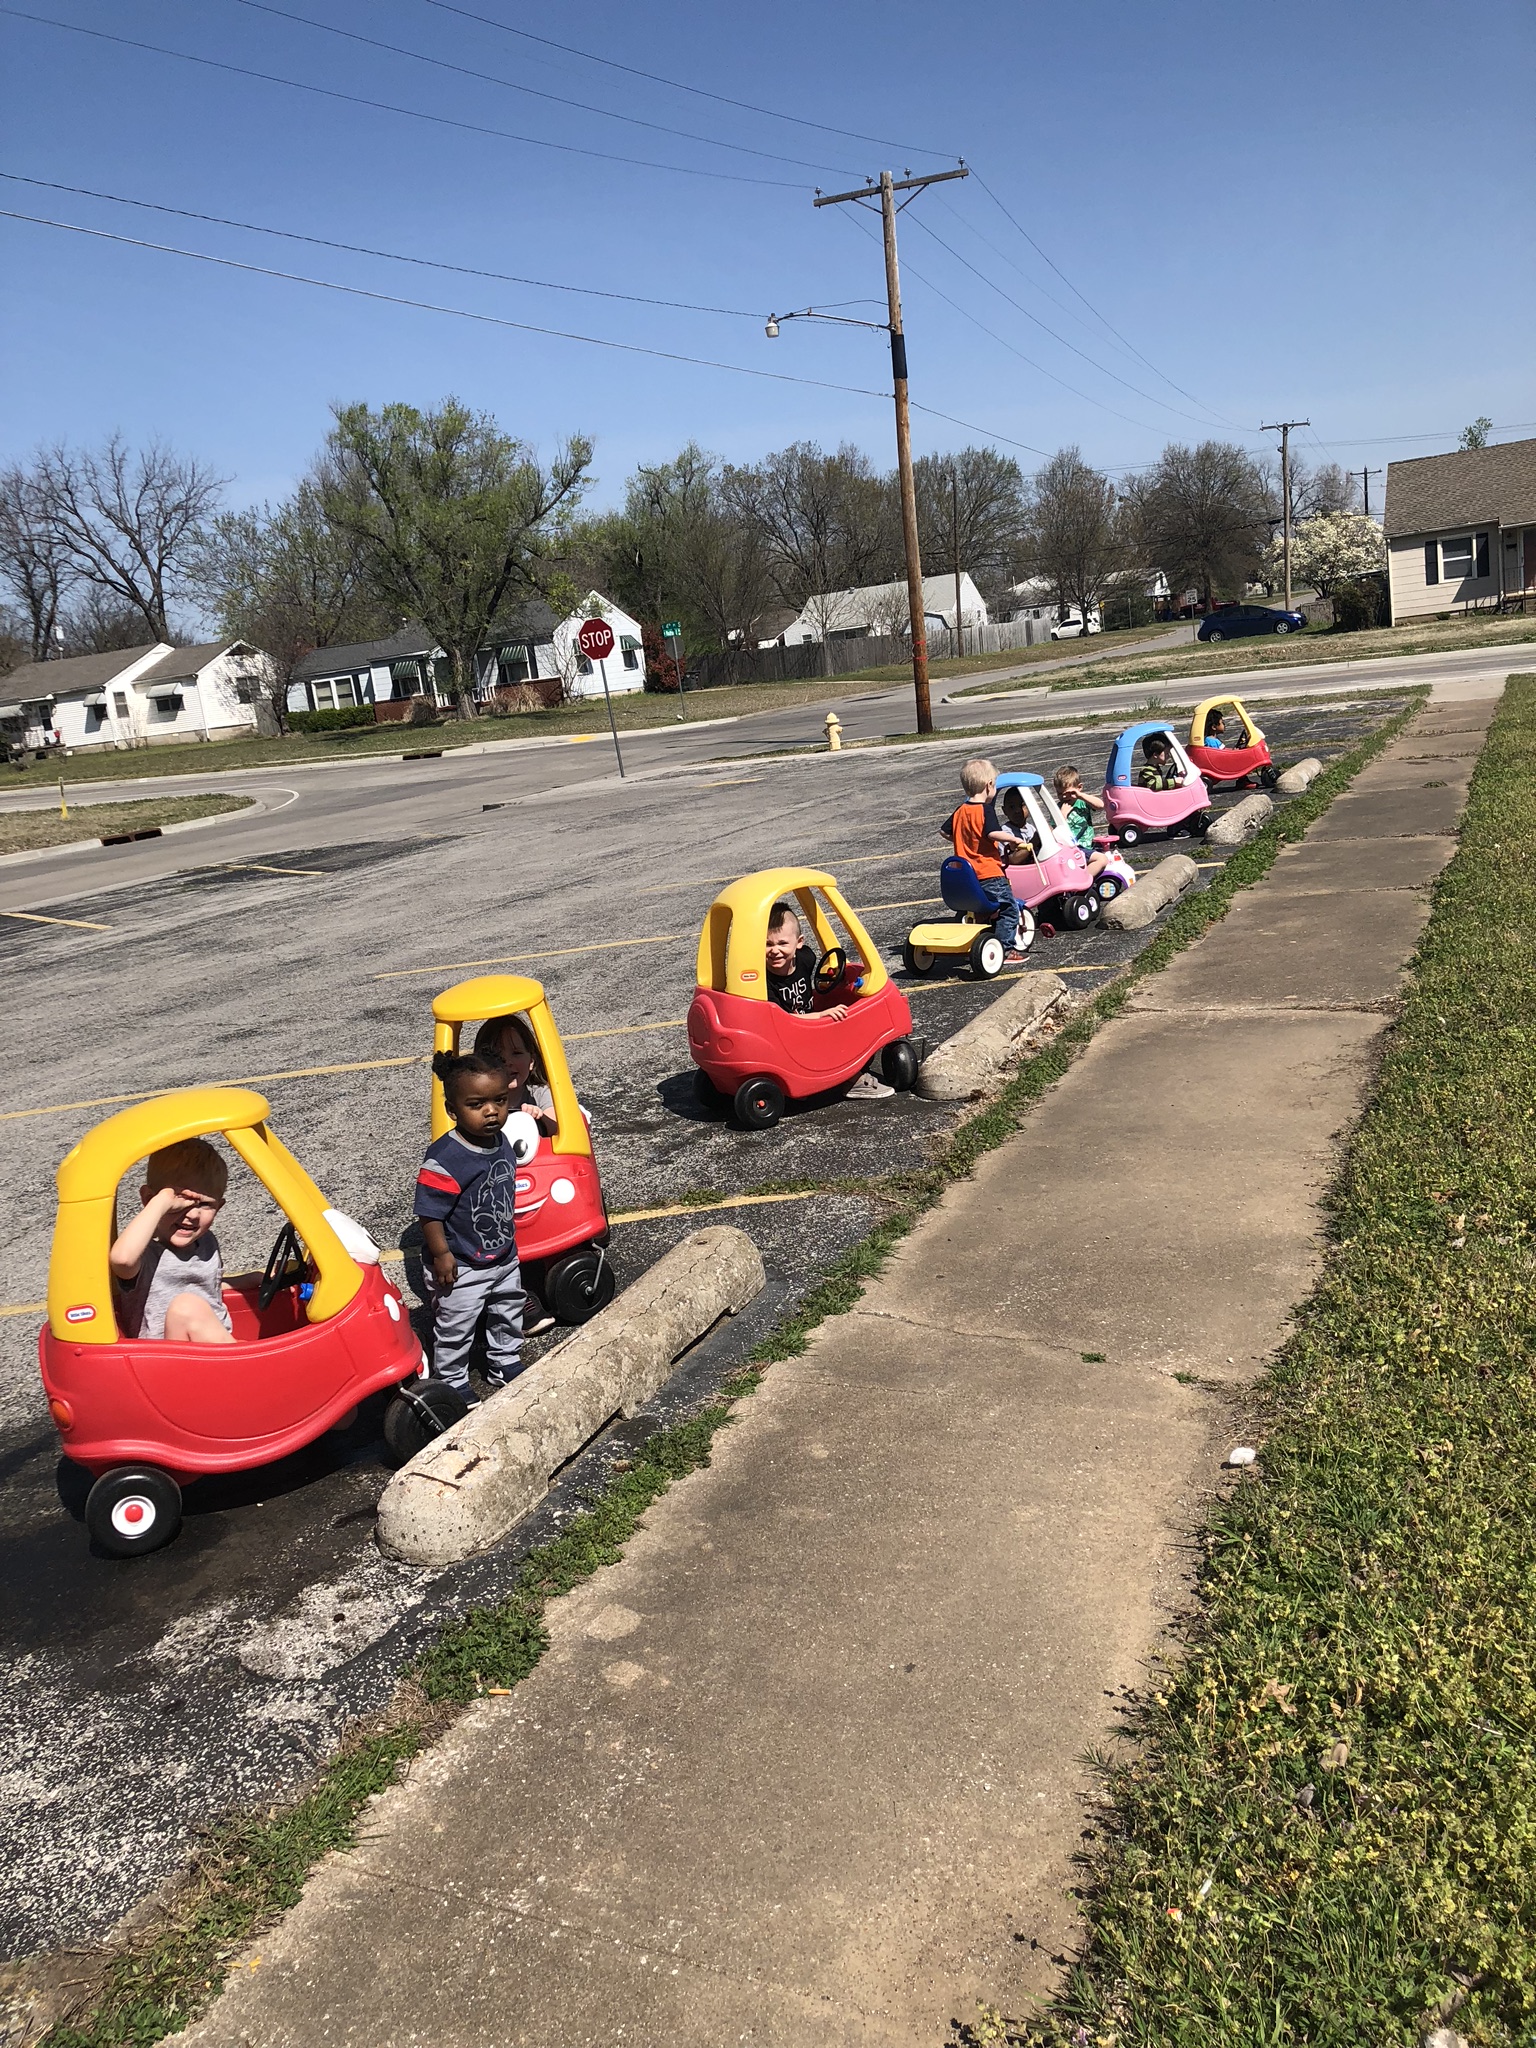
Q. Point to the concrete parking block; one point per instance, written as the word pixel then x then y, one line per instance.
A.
pixel 1275 951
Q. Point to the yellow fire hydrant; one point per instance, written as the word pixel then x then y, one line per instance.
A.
pixel 834 732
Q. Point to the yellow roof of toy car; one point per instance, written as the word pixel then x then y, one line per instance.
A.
pixel 488 995
pixel 1227 702
pixel 756 894
pixel 92 1168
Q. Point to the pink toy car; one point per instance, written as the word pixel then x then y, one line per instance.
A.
pixel 1055 882
pixel 1132 812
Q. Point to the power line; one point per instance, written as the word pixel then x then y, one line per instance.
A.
pixel 388 255
pixel 1019 227
pixel 533 91
pixel 676 84
pixel 966 314
pixel 1091 361
pixel 388 107
pixel 355 291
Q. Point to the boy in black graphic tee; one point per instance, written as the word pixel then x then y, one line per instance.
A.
pixel 466 1196
pixel 791 972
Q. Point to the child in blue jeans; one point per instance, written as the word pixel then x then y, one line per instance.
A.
pixel 466 1195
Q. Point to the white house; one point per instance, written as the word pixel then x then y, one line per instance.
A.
pixel 139 696
pixel 537 648
pixel 1461 530
pixel 881 608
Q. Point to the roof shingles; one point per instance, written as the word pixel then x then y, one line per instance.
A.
pixel 1493 486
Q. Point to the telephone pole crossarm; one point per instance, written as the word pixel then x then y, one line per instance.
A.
pixel 885 191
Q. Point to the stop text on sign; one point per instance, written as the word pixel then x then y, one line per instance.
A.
pixel 595 639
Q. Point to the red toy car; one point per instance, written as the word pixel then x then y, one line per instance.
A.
pixel 751 1053
pixel 317 1332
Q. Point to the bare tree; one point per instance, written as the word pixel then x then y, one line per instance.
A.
pixel 829 523
pixel 129 523
pixel 286 579
pixel 14 641
pixel 1315 492
pixel 1201 516
pixel 972 508
pixel 34 566
pixel 99 623
pixel 1075 536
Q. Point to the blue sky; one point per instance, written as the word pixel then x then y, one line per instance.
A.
pixel 1290 211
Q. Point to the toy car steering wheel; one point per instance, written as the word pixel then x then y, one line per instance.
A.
pixel 278 1272
pixel 830 969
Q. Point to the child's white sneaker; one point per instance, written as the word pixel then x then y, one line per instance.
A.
pixel 869 1088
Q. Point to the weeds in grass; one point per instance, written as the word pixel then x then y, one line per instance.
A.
pixel 255 1867
pixel 1329 1835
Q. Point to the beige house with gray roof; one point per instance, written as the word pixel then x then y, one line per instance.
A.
pixel 1461 531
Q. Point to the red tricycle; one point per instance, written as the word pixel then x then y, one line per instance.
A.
pixel 751 1053
pixel 315 1333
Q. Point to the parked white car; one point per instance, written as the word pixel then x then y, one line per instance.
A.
pixel 1070 625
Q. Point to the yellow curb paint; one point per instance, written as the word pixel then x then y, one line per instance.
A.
pixel 79 924
pixel 512 959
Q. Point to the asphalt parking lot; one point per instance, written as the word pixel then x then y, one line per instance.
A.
pixel 144 1699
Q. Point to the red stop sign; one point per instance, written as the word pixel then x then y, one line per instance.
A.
pixel 595 639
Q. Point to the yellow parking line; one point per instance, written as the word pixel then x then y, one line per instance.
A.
pixel 625 1030
pixel 907 903
pixel 11 1116
pixel 22 1308
pixel 80 924
pixel 511 959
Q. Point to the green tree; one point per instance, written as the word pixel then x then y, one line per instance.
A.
pixel 454 521
pixel 1476 436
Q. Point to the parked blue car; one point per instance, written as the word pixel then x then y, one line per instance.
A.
pixel 1233 621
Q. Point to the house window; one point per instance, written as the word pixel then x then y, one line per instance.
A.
pixel 583 666
pixel 166 707
pixel 1431 561
pixel 1464 557
pixel 631 650
pixel 120 699
pixel 334 695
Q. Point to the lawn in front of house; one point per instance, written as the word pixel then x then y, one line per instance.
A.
pixel 24 831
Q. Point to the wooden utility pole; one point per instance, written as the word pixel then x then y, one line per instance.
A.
pixel 886 192
pixel 1365 476
pixel 1283 429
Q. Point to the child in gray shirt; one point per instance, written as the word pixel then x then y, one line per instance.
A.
pixel 166 1263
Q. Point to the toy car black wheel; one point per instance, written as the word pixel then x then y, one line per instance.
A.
pixel 1269 776
pixel 759 1103
pixel 133 1509
pixel 1078 912
pixel 705 1093
pixel 916 959
pixel 419 1413
pixel 1198 825
pixel 899 1063
pixel 578 1285
pixel 1108 887
pixel 987 955
pixel 1129 835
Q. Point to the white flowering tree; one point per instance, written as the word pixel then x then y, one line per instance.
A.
pixel 1328 549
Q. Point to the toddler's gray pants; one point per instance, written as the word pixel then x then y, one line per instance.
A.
pixel 496 1292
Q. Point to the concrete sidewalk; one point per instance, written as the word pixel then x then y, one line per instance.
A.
pixel 806 1767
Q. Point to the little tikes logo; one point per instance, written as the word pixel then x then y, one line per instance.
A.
pixel 748 974
pixel 83 1313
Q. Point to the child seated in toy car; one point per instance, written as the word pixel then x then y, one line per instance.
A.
pixel 791 972
pixel 1078 807
pixel 510 1040
pixel 1159 770
pixel 166 1263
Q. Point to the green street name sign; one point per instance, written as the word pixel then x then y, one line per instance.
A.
pixel 672 630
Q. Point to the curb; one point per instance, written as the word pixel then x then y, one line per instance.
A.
pixel 467 1489
pixel 30 853
pixel 1153 892
pixel 981 1052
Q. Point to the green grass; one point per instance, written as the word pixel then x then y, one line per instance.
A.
pixel 21 831
pixel 1329 1834
pixel 254 1868
pixel 1010 657
pixel 1293 651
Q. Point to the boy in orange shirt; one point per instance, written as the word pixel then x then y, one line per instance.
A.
pixel 978 836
